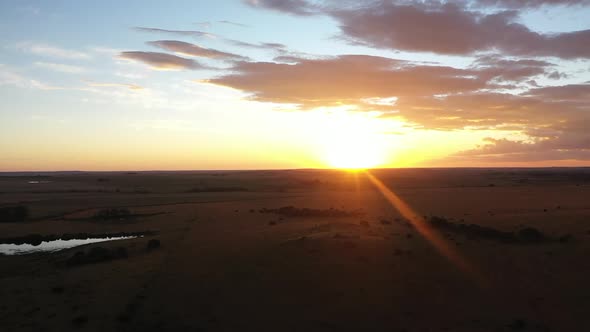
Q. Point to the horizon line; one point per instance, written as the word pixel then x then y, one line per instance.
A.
pixel 285 169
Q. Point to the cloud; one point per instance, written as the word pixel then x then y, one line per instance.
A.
pixel 187 33
pixel 513 69
pixel 572 92
pixel 504 150
pixel 443 27
pixel 555 118
pixel 60 67
pixel 263 46
pixel 52 51
pixel 296 7
pixel 194 50
pixel 32 10
pixel 116 85
pixel 531 3
pixel 487 110
pixel 233 23
pixel 450 29
pixel 11 77
pixel 204 25
pixel 345 79
pixel 161 61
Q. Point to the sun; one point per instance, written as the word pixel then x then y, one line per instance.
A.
pixel 353 146
pixel 353 153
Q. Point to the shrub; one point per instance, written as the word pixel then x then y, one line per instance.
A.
pixel 14 213
pixel 153 244
pixel 112 213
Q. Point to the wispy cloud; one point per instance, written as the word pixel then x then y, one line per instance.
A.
pixel 189 49
pixel 60 67
pixel 234 23
pixel 295 7
pixel 265 46
pixel 204 25
pixel 116 85
pixel 47 50
pixel 186 33
pixel 161 61
pixel 31 10
pixel 11 77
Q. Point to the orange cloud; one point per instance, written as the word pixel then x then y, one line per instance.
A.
pixel 345 79
pixel 194 50
pixel 161 61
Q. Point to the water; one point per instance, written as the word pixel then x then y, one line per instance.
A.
pixel 52 246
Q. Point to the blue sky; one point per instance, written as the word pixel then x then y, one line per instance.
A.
pixel 71 99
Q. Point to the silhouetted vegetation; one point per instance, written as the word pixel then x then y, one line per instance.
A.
pixel 14 213
pixel 216 189
pixel 153 244
pixel 96 255
pixel 530 234
pixel 112 213
pixel 291 211
pixel 525 235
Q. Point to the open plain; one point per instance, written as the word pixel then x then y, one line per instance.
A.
pixel 301 250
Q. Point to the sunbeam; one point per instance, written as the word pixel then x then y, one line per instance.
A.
pixel 430 234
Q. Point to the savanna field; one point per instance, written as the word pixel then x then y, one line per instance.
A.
pixel 301 250
pixel 295 165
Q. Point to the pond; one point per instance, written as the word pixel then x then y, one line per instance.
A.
pixel 54 245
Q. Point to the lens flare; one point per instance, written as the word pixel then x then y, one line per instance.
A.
pixel 430 234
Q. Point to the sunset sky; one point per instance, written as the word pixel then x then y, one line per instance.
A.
pixel 263 84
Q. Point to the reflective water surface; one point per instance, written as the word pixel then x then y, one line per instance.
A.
pixel 51 246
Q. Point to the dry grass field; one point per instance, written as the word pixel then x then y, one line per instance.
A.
pixel 341 258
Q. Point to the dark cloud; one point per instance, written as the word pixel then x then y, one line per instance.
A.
pixel 510 69
pixel 194 50
pixel 531 3
pixel 263 46
pixel 187 33
pixel 504 150
pixel 572 92
pixel 295 7
pixel 450 29
pixel 163 61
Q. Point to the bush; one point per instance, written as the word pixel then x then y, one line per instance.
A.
pixel 153 244
pixel 112 213
pixel 530 234
pixel 96 255
pixel 14 213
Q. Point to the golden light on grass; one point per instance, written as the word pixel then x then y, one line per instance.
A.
pixel 444 247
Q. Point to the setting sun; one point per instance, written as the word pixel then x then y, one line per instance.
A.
pixel 353 142
pixel 354 153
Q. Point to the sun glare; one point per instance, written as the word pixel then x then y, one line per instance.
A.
pixel 353 153
pixel 351 145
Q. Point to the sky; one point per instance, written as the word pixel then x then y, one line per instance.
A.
pixel 274 84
